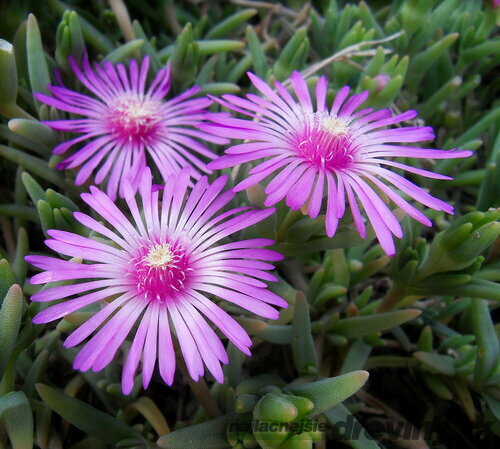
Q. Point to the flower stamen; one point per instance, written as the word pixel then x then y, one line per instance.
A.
pixel 132 118
pixel 159 256
pixel 325 141
pixel 159 270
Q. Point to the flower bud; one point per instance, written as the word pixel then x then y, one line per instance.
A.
pixel 381 79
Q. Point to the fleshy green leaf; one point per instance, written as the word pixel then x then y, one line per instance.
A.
pixel 488 349
pixel 85 417
pixel 365 325
pixel 208 435
pixel 329 392
pixel 17 417
pixel 37 65
pixel 303 349
pixel 10 323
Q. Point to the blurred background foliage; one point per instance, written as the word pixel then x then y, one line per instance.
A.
pixel 422 323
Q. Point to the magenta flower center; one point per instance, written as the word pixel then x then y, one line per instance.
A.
pixel 325 141
pixel 133 119
pixel 159 270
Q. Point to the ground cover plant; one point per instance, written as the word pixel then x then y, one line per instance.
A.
pixel 249 224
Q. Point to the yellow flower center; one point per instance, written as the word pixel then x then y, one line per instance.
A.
pixel 132 118
pixel 159 255
pixel 334 125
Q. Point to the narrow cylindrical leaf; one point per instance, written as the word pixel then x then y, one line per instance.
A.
pixel 422 61
pixel 343 239
pixel 315 284
pixel 35 374
pixel 17 419
pixel 84 417
pixel 488 349
pixel 341 275
pixel 77 42
pixel 252 326
pixel 232 22
pixel 63 45
pixel 365 325
pixel 464 396
pixel 479 127
pixel 42 425
pixel 490 186
pixel 37 65
pixel 19 266
pixel 34 190
pixel 8 73
pixel 46 214
pixel 35 131
pixel 277 334
pixel 329 392
pixel 122 53
pixel 304 229
pixel 375 65
pixel 147 408
pixel 91 34
pixel 147 48
pixel 219 88
pixel 10 323
pixel 327 293
pixel 364 297
pixel 303 349
pixel 443 364
pixel 258 57
pixel 441 95
pixel 56 200
pixel 356 357
pixel 284 64
pixel 476 288
pixel 7 278
pixel 437 386
pixel 425 340
pixel 34 164
pixel 208 435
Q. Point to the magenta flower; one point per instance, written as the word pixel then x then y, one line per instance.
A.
pixel 157 272
pixel 126 124
pixel 340 152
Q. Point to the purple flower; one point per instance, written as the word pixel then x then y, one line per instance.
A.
pixel 340 152
pixel 126 124
pixel 157 271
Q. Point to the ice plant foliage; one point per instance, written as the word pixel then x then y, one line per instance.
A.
pixel 341 152
pixel 127 123
pixel 157 271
